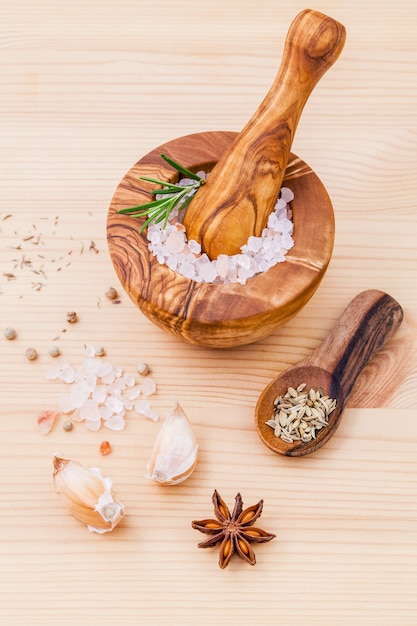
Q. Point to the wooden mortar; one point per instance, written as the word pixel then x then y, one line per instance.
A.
pixel 220 316
pixel 243 187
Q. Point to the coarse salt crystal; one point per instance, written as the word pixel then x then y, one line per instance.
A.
pixel 194 246
pixel 222 265
pixel 103 369
pixel 99 394
pixel 115 423
pixel 93 425
pixel 188 270
pixel 114 403
pixel 67 374
pixel 65 403
pixel 174 243
pixel 286 194
pixel 170 247
pixel 105 412
pixel 90 411
pixel 148 386
pixel 141 406
pixel 207 272
pixel 133 393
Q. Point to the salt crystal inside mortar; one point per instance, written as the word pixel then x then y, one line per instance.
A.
pixel 170 247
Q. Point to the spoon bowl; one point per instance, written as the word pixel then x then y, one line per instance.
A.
pixel 365 326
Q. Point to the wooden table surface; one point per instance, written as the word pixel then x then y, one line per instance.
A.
pixel 87 88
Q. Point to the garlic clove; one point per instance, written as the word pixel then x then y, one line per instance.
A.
pixel 87 495
pixel 174 455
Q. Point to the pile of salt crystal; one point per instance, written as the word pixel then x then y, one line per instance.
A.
pixel 101 393
pixel 170 246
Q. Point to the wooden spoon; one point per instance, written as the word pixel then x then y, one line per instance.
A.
pixel 365 326
pixel 243 187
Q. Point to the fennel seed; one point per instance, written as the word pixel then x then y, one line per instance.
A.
pixel 297 416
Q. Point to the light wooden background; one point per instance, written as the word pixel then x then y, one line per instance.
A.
pixel 86 89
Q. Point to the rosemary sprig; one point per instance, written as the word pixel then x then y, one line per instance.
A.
pixel 174 196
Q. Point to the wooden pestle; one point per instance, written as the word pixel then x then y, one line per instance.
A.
pixel 243 187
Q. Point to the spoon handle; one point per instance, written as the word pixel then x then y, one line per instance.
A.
pixel 243 187
pixel 364 327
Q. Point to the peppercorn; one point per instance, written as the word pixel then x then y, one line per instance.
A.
pixel 143 369
pixel 111 294
pixel 31 354
pixel 72 317
pixel 9 332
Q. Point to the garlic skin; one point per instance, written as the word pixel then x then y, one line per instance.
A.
pixel 174 455
pixel 87 495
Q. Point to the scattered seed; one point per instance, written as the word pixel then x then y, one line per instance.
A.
pixel 68 425
pixel 31 354
pixel 72 317
pixel 143 369
pixel 9 332
pixel 111 293
pixel 99 351
pixel 54 351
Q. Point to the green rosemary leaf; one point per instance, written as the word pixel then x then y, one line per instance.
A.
pixel 145 224
pixel 142 207
pixel 165 183
pixel 182 169
pixel 170 190
pixel 174 196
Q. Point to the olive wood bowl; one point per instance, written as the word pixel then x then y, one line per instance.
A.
pixel 217 315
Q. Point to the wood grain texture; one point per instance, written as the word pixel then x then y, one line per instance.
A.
pixel 242 190
pixel 86 89
pixel 220 316
pixel 365 326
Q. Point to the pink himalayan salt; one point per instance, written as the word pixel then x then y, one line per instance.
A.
pixel 46 421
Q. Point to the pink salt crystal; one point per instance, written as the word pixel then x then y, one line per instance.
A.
pixel 222 265
pixel 105 448
pixel 46 420
pixel 174 243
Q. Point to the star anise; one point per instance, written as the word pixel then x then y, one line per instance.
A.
pixel 235 530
